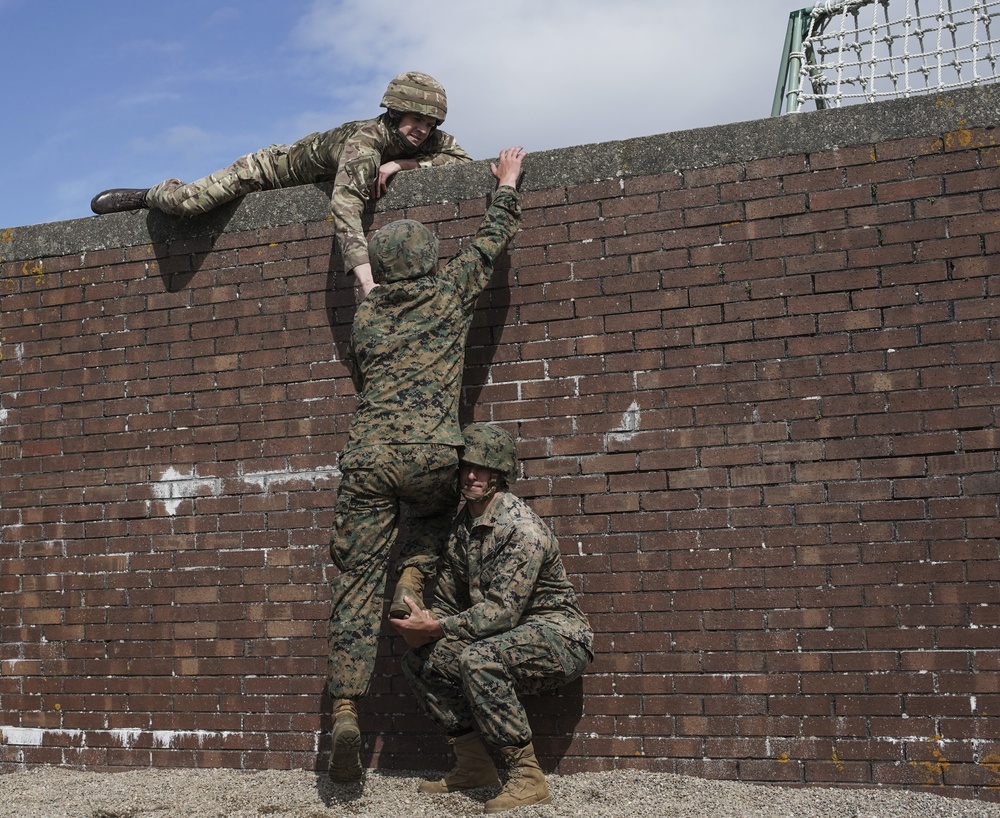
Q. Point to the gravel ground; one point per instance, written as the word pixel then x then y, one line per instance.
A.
pixel 54 792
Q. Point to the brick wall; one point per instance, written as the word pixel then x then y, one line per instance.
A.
pixel 753 372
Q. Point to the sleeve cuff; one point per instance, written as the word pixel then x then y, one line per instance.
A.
pixel 353 259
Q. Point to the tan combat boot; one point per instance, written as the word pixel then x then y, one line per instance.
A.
pixel 345 754
pixel 525 781
pixel 410 584
pixel 473 767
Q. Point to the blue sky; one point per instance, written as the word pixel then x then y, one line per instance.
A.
pixel 109 93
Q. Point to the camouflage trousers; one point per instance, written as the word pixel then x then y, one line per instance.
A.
pixel 266 169
pixel 463 685
pixel 378 483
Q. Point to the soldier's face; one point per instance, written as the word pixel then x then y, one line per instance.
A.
pixel 416 128
pixel 474 481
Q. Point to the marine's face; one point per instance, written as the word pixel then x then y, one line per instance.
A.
pixel 415 128
pixel 474 481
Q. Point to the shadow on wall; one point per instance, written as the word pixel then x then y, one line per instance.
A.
pixel 554 718
pixel 181 245
pixel 485 337
pixel 340 298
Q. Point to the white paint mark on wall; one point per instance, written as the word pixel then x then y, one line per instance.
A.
pixel 166 738
pixel 266 480
pixel 173 487
pixel 629 425
pixel 126 737
pixel 22 736
pixel 33 736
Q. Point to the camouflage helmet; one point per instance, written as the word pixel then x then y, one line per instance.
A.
pixel 490 446
pixel 402 250
pixel 416 93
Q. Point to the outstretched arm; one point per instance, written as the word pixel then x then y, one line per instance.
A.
pixel 472 268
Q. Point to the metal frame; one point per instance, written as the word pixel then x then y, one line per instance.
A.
pixel 786 94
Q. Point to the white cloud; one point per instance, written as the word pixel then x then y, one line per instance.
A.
pixel 562 72
pixel 150 91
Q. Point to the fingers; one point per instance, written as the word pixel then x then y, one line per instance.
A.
pixel 508 168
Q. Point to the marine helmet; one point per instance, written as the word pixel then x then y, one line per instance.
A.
pixel 416 93
pixel 490 446
pixel 402 250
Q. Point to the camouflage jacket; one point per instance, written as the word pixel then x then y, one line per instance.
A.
pixel 407 346
pixel 350 156
pixel 504 569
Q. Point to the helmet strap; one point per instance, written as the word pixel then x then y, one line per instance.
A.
pixel 497 482
pixel 400 142
pixel 479 497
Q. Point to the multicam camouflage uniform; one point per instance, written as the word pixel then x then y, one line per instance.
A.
pixel 348 156
pixel 511 621
pixel 408 350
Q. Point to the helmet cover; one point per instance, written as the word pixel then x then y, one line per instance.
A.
pixel 416 93
pixel 402 250
pixel 490 446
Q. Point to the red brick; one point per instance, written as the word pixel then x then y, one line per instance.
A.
pixel 812 470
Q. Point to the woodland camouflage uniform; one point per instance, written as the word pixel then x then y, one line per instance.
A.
pixel 348 156
pixel 407 350
pixel 511 623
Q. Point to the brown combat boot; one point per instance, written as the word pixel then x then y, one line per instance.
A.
pixel 118 199
pixel 410 584
pixel 473 767
pixel 525 781
pixel 345 754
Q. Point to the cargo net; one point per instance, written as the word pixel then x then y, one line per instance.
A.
pixel 864 51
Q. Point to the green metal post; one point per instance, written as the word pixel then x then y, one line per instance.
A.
pixel 786 99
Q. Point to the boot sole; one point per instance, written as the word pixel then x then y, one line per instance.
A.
pixel 345 758
pixel 398 609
